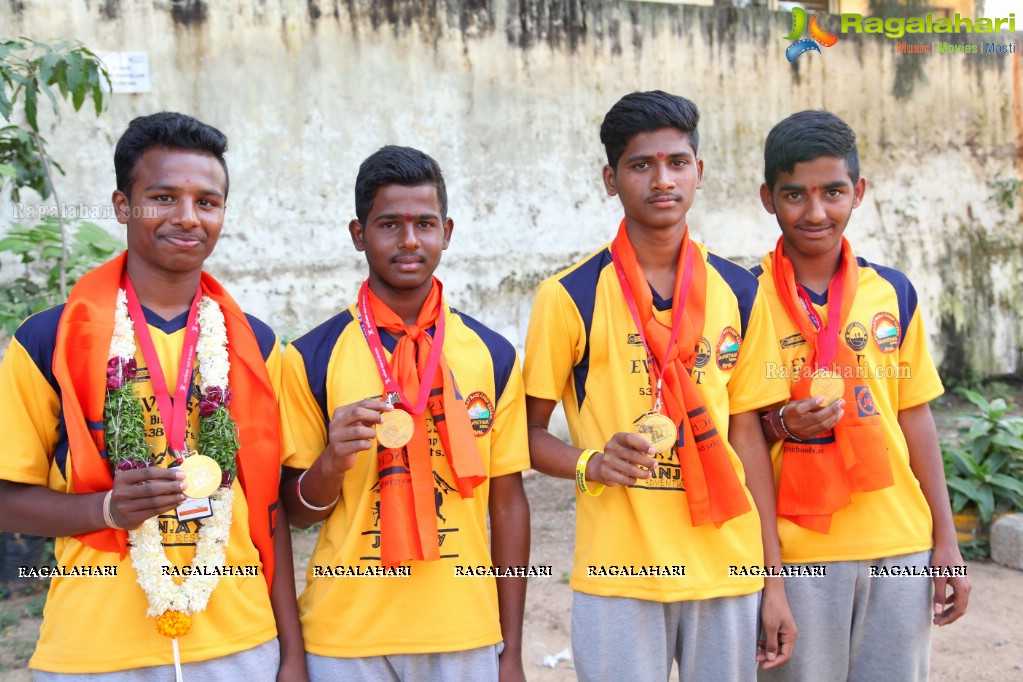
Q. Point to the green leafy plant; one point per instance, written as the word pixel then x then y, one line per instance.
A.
pixel 30 72
pixel 39 248
pixel 984 469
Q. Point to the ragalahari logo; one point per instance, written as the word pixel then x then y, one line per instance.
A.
pixel 818 36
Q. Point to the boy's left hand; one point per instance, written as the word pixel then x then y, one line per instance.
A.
pixel 510 668
pixel 944 614
pixel 779 628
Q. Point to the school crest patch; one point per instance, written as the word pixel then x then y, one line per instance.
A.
pixel 886 332
pixel 481 413
pixel 856 336
pixel 728 348
pixel 702 353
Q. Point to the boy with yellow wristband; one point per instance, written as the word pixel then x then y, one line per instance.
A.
pixel 657 350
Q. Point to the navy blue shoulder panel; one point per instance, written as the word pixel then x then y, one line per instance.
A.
pixel 38 336
pixel 316 347
pixel 581 285
pixel 501 352
pixel 742 283
pixel 757 270
pixel 904 292
pixel 265 336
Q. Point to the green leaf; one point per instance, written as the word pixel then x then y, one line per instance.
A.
pixel 78 98
pixel 97 98
pixel 46 64
pixel 978 428
pixel 979 447
pixel 1007 483
pixel 30 106
pixel 7 171
pixel 967 488
pixel 6 107
pixel 60 79
pixel 1006 440
pixel 965 463
pixel 74 73
pixel 986 504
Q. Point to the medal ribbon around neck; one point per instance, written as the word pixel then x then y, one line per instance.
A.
pixel 826 342
pixel 173 410
pixel 714 493
pixel 369 329
pixel 655 371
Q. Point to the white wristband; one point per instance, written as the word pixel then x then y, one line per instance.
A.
pixel 108 517
pixel 298 491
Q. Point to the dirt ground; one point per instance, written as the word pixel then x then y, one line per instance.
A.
pixel 982 646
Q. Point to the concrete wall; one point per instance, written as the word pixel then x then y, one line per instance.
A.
pixel 508 95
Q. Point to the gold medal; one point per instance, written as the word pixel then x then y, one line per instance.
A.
pixel 659 430
pixel 828 385
pixel 395 429
pixel 202 476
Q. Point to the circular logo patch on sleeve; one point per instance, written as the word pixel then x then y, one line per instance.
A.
pixel 481 413
pixel 886 332
pixel 856 336
pixel 728 348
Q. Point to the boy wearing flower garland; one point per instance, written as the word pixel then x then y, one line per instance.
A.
pixel 653 333
pixel 100 397
pixel 861 485
pixel 407 501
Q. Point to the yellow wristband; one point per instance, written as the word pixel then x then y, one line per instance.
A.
pixel 580 475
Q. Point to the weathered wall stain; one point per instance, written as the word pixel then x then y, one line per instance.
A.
pixel 508 95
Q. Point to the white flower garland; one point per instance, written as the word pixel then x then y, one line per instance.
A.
pixel 147 553
pixel 211 349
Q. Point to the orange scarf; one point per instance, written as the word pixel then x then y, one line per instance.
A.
pixel 408 506
pixel 80 356
pixel 713 489
pixel 819 476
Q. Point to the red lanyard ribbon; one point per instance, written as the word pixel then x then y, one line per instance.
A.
pixel 173 411
pixel 827 335
pixel 372 334
pixel 655 371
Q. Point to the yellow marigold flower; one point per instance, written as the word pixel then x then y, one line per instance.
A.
pixel 173 624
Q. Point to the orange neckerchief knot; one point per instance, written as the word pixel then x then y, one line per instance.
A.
pixel 408 508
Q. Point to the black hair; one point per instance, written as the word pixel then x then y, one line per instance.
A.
pixel 394 165
pixel 169 130
pixel 805 136
pixel 641 112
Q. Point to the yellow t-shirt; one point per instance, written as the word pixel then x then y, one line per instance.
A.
pixel 431 610
pixel 886 332
pixel 583 349
pixel 96 623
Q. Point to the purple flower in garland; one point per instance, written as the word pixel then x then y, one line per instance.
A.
pixel 207 408
pixel 129 464
pixel 218 395
pixel 119 372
